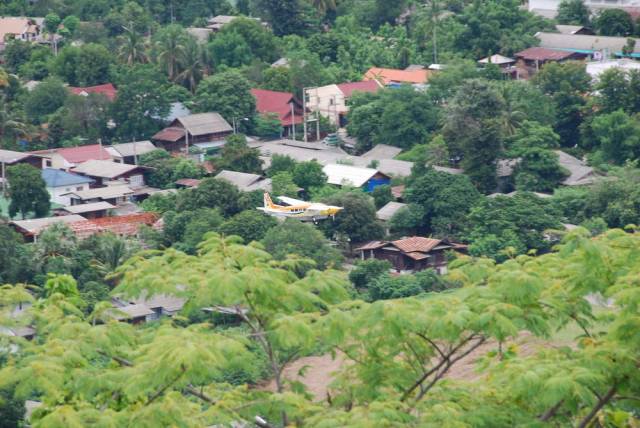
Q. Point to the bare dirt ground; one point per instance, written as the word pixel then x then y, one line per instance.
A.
pixel 321 370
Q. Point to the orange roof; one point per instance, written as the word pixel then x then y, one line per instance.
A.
pixel 416 244
pixel 387 76
pixel 13 25
pixel 126 225
pixel 108 90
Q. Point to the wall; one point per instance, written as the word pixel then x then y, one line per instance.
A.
pixel 329 100
pixel 57 192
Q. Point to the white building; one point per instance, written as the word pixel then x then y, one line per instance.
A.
pixel 60 183
pixel 549 8
pixel 331 100
pixel 594 69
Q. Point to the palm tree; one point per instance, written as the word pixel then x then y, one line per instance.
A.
pixel 191 63
pixel 171 47
pixel 512 117
pixel 322 6
pixel 133 48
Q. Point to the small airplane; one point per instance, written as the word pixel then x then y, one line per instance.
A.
pixel 301 210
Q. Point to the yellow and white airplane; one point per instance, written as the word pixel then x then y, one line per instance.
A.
pixel 301 210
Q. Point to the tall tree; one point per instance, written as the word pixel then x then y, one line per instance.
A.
pixel 228 93
pixel 170 47
pixel 614 22
pixel 573 12
pixel 132 47
pixel 27 191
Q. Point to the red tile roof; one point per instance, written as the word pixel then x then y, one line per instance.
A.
pixel 188 182
pixel 108 90
pixel 278 103
pixel 126 225
pixel 365 86
pixel 172 134
pixel 543 54
pixel 416 244
pixel 398 191
pixel 390 75
pixel 79 154
pixel 373 245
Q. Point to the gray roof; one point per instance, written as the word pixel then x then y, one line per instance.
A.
pixel 130 311
pixel 88 208
pixel 104 168
pixel 135 148
pixel 579 42
pixel 497 59
pixel 382 151
pixel 348 175
pixel 385 213
pixel 9 156
pixel 109 192
pixel 37 225
pixel 244 181
pixel 568 29
pixel 205 123
pixel 164 301
pixel 514 193
pixel 580 173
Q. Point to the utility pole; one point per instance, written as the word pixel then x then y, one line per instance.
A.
pixel 304 112
pixel 186 140
pixel 4 180
pixel 293 121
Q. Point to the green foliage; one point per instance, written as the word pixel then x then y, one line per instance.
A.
pixel 227 93
pixel 282 185
pixel 613 22
pixel 87 65
pixel 236 155
pixel 532 135
pixel 444 201
pixel 27 191
pixel 357 221
pixel 164 170
pixel 45 99
pixel 519 222
pixel 185 230
pixel 386 287
pixel 398 117
pixel 296 238
pixel 250 225
pixel 366 271
pixel 268 126
pixel 309 174
pixel 211 193
pixel 382 195
pixel 281 163
pixel 573 12
pixel 473 130
pixel 618 89
pixel 539 171
pixel 617 135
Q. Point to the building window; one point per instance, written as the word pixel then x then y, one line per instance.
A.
pixel 79 188
pixel 68 189
pixel 47 162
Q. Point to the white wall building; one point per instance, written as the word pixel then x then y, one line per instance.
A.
pixel 60 183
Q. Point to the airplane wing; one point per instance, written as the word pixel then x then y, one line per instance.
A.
pixel 291 201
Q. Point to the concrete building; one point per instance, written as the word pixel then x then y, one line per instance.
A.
pixel 549 8
pixel 60 183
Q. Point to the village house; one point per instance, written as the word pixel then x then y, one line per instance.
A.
pixel 115 195
pixel 216 23
pixel 549 8
pixel 60 183
pixel 411 254
pixel 130 152
pixel 106 173
pixel 283 105
pixel 385 213
pixel 9 158
pixel 331 101
pixel 18 28
pixel 107 89
pixel 346 175
pixel 160 305
pixel 586 46
pixel 69 157
pixel 596 68
pixel 393 78
pixel 88 211
pixel 244 181
pixel 531 60
pixel 203 130
pixel 32 228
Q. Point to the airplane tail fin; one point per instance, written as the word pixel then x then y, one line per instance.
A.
pixel 268 203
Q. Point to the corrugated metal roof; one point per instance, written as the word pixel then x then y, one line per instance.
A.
pixel 584 42
pixel 59 178
pixel 104 169
pixel 130 311
pixel 88 208
pixel 385 213
pixel 416 244
pixel 171 134
pixel 108 192
pixel 9 156
pixel 348 175
pixel 37 225
pixel 382 151
pixel 544 54
pixel 390 75
pixel 244 181
pixel 136 148
pixel 205 123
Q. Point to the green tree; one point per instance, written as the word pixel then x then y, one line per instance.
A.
pixel 142 98
pixel 281 163
pixel 357 221
pixel 236 155
pixel 445 200
pixel 228 93
pixel 533 135
pixel 382 196
pixel 191 65
pixel 211 193
pixel 282 184
pixel 51 23
pixel 293 237
pixel 250 225
pixel 268 126
pixel 45 99
pixel 309 174
pixel 258 39
pixel 474 132
pixel 132 48
pixel 27 191
pixel 573 12
pixel 613 22
pixel 367 271
pixel 87 65
pixel 617 135
pixel 170 47
pixel 539 171
pixel 285 16
pixel 185 230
